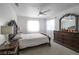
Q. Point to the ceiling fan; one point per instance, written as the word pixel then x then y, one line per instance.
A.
pixel 17 4
pixel 43 12
pixel 40 11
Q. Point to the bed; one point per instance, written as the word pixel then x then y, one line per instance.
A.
pixel 34 39
pixel 2 39
pixel 28 40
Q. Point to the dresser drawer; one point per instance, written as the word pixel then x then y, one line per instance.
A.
pixel 68 39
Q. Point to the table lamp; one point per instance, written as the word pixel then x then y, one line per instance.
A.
pixel 6 30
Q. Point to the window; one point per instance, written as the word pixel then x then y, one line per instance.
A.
pixel 50 24
pixel 32 26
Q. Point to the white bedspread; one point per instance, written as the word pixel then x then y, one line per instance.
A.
pixel 29 40
pixel 2 39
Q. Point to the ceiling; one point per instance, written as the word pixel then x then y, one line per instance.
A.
pixel 31 9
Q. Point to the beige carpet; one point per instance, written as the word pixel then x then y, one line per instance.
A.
pixel 56 49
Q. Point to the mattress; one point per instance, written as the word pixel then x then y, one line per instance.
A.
pixel 28 40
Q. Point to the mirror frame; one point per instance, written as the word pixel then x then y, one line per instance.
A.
pixel 66 15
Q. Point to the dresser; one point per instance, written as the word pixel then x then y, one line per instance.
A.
pixel 67 39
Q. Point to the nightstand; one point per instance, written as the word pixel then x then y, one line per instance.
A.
pixel 10 49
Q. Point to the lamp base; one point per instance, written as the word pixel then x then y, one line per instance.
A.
pixel 7 42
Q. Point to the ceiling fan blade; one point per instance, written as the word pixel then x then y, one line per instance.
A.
pixel 42 12
pixel 45 11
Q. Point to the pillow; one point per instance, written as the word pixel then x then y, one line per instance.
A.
pixel 18 36
pixel 2 39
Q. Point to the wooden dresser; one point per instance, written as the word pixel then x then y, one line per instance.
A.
pixel 67 39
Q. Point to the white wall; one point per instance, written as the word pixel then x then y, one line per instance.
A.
pixel 22 23
pixel 43 25
pixel 6 13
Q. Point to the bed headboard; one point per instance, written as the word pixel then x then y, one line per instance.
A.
pixel 13 23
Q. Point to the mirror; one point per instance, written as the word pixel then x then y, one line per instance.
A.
pixel 78 24
pixel 69 22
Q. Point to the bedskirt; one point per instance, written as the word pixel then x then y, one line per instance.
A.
pixel 23 43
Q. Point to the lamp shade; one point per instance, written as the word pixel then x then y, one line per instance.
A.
pixel 6 30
